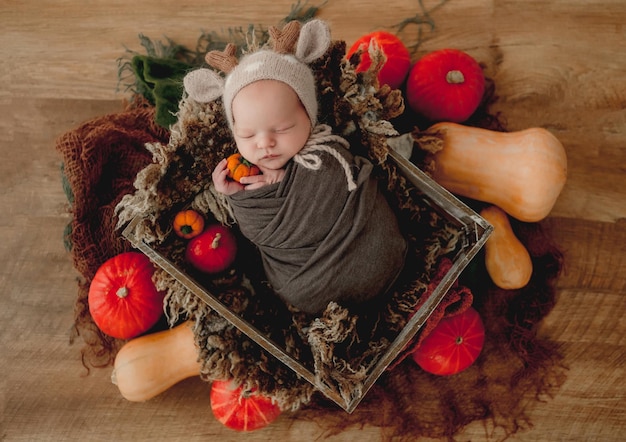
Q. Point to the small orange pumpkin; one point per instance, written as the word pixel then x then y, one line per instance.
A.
pixel 239 167
pixel 188 224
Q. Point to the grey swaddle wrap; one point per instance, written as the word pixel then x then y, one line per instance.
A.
pixel 320 241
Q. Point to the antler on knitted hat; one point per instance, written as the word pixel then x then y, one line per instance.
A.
pixel 294 47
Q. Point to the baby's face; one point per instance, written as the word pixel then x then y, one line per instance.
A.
pixel 270 125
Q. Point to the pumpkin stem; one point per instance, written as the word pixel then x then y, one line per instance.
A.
pixel 186 229
pixel 459 340
pixel 122 292
pixel 216 241
pixel 455 77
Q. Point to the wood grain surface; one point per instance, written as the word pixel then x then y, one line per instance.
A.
pixel 557 64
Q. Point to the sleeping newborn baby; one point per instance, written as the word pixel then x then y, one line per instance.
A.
pixel 324 230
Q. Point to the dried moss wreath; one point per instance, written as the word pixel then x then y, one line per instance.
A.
pixel 124 165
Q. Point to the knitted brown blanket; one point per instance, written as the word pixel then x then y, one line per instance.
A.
pixel 101 159
pixel 514 368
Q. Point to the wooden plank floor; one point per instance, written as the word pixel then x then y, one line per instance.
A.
pixel 557 64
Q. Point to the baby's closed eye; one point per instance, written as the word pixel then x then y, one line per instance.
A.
pixel 284 129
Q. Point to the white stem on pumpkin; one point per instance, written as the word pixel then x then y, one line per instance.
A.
pixel 455 77
pixel 122 292
pixel 216 241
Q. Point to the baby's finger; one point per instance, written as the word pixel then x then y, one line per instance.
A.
pixel 220 168
pixel 251 179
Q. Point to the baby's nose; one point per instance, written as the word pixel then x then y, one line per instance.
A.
pixel 265 140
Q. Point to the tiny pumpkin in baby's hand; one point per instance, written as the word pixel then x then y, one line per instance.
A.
pixel 239 167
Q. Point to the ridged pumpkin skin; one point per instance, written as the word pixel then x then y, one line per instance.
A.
pixel 238 167
pixel 240 409
pixel 398 58
pixel 453 345
pixel 188 224
pixel 445 85
pixel 147 366
pixel 123 300
pixel 213 251
pixel 507 260
pixel 521 172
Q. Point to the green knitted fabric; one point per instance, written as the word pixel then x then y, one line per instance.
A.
pixel 160 81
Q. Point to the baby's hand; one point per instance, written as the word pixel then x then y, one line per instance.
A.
pixel 257 181
pixel 222 183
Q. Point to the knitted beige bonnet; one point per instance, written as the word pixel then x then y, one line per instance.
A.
pixel 294 47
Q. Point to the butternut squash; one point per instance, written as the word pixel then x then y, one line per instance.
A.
pixel 507 260
pixel 147 366
pixel 521 172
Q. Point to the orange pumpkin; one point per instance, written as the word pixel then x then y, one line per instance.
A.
pixel 398 58
pixel 213 251
pixel 453 345
pixel 188 224
pixel 123 300
pixel 240 408
pixel 239 167
pixel 445 85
